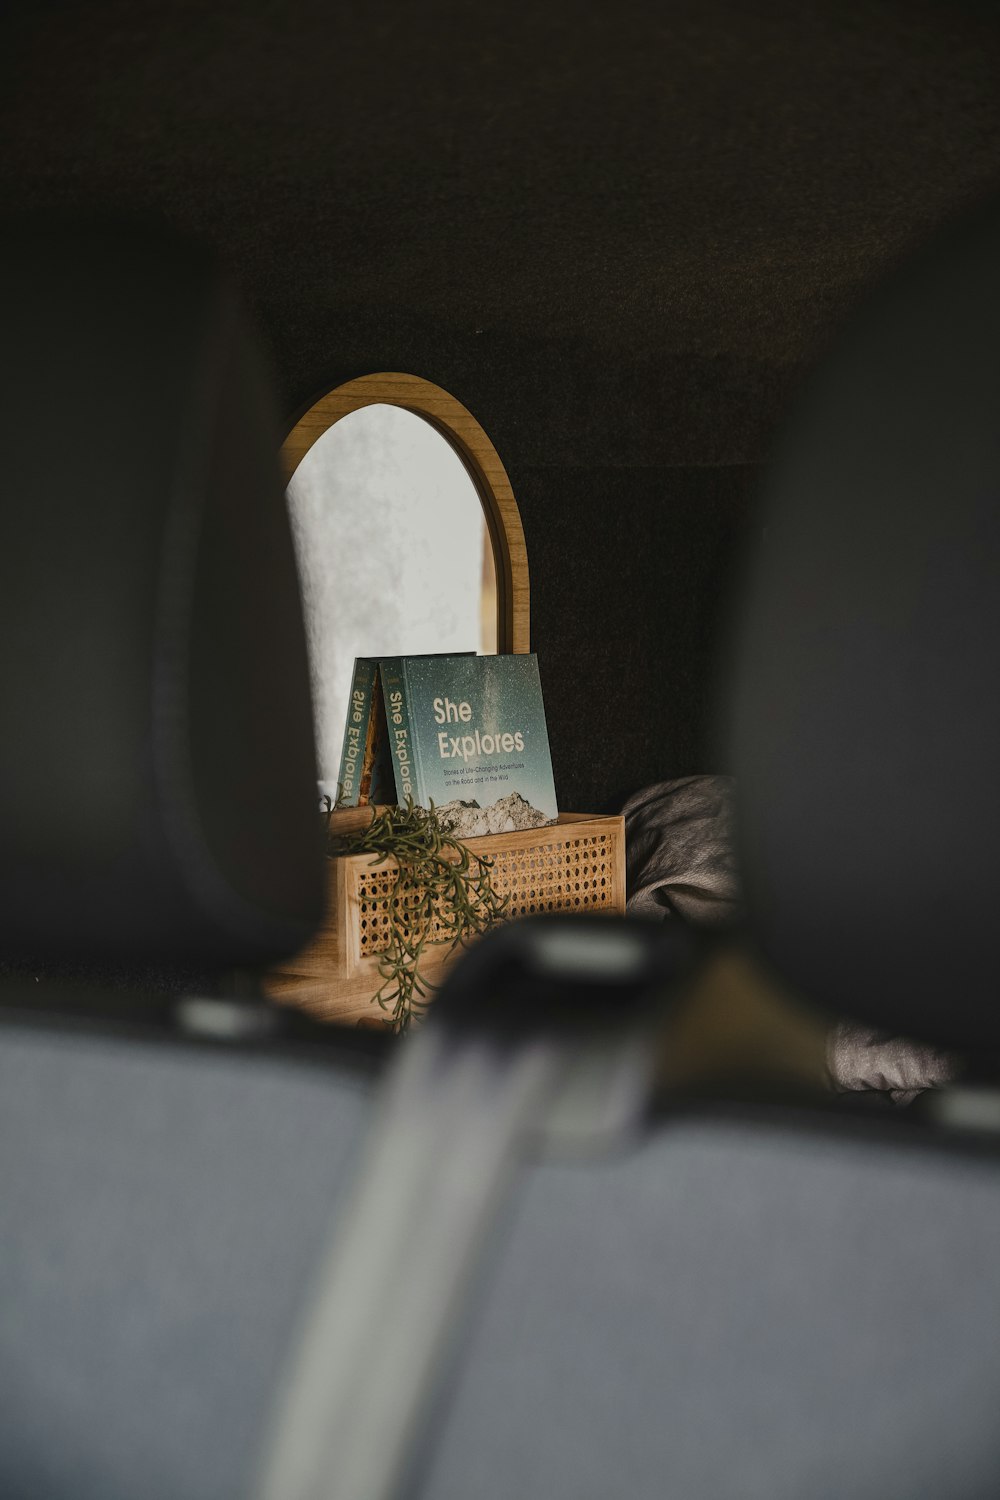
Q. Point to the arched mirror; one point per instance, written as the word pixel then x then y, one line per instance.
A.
pixel 407 535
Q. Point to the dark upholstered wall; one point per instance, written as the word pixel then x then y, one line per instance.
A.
pixel 619 233
pixel 637 574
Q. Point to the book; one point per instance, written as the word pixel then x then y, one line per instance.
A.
pixel 468 734
pixel 366 774
pixel 354 780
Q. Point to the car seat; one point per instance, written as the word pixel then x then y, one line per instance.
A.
pixel 758 1294
pixel 727 1291
pixel 168 1156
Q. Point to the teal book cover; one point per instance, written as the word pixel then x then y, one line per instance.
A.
pixel 355 756
pixel 366 774
pixel 468 733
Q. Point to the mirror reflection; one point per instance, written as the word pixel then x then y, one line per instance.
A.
pixel 394 555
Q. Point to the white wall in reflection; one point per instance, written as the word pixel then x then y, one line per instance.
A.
pixel 391 543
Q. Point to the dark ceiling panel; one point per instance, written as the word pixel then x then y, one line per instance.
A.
pixel 617 231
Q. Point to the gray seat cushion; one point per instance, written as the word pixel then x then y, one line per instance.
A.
pixel 163 1209
pixel 739 1311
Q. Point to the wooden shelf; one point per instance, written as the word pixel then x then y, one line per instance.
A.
pixel 574 865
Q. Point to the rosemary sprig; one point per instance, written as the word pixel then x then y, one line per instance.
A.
pixel 441 894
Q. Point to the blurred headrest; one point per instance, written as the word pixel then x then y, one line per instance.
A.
pixel 866 729
pixel 157 775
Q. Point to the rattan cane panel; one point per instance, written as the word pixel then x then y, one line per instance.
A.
pixel 576 864
pixel 570 873
pixel 374 903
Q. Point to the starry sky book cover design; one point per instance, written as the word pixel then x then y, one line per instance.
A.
pixel 468 733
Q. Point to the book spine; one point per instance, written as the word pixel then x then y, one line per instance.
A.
pixel 397 717
pixel 356 733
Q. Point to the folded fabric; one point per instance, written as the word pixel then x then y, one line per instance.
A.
pixel 859 1058
pixel 680 861
pixel 679 855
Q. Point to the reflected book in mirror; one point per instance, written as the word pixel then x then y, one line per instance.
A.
pixel 464 733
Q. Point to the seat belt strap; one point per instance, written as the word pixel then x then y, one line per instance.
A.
pixel 459 1108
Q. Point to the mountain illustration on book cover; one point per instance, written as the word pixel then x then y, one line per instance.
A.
pixel 468 734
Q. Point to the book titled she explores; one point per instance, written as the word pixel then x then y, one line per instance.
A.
pixel 466 733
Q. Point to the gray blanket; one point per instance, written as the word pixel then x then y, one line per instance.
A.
pixel 679 857
pixel 680 861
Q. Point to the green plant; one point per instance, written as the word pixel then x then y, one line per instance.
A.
pixel 442 894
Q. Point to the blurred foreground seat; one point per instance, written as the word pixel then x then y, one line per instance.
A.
pixel 167 1166
pixel 755 1295
pixel 720 1293
pixel 768 1299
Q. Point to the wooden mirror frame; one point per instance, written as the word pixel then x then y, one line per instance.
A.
pixel 459 428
